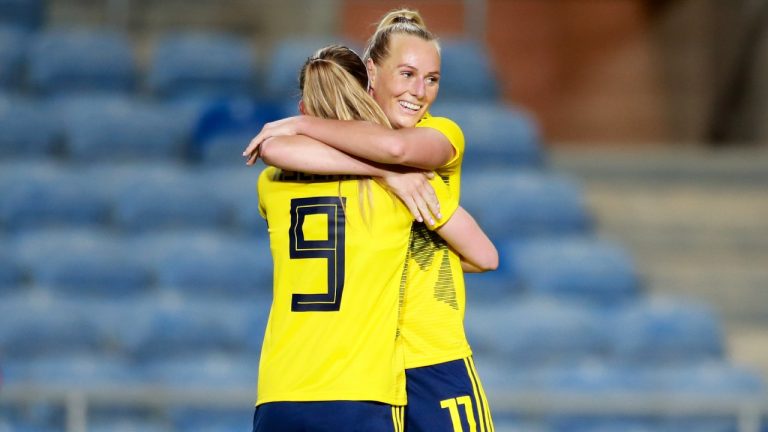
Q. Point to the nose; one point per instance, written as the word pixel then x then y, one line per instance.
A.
pixel 418 88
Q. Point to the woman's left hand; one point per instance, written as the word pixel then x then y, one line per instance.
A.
pixel 286 126
pixel 416 193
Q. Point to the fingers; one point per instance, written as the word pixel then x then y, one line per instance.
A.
pixel 253 145
pixel 414 209
pixel 252 158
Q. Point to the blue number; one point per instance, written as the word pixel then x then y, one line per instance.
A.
pixel 332 249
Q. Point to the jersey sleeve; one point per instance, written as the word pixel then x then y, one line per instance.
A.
pixel 452 131
pixel 261 189
pixel 448 202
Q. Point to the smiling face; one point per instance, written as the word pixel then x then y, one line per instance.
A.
pixel 405 83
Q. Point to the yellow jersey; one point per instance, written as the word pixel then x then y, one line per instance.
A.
pixel 432 317
pixel 332 332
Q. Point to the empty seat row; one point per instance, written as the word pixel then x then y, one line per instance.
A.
pixel 131 331
pixel 59 60
pixel 535 331
pixel 115 128
pixel 143 197
pixel 106 266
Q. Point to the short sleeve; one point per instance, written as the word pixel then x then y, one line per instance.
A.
pixel 261 186
pixel 451 130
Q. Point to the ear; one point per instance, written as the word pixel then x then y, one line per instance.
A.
pixel 302 109
pixel 371 67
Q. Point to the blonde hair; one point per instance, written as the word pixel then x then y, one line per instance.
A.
pixel 397 21
pixel 333 84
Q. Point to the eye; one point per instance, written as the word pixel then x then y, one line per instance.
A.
pixel 432 80
pixel 406 74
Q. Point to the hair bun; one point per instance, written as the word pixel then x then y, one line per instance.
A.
pixel 403 19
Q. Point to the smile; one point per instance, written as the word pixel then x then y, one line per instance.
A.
pixel 410 106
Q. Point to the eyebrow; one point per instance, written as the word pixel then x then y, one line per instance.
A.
pixel 410 66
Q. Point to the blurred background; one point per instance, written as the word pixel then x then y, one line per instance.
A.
pixel 615 154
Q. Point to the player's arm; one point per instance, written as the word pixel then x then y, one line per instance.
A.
pixel 304 154
pixel 424 148
pixel 469 241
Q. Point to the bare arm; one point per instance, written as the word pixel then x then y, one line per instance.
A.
pixel 302 153
pixel 424 148
pixel 464 235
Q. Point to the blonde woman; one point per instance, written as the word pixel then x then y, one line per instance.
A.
pixel 403 63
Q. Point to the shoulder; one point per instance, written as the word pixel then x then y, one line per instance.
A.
pixel 446 126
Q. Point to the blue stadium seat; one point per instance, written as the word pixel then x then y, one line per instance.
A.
pixel 26 14
pixel 513 205
pixel 173 203
pixel 213 371
pixel 237 187
pixel 117 129
pixel 41 328
pixel 212 420
pixel 663 331
pixel 287 56
pixel 226 126
pixel 214 266
pixel 28 128
pixel 94 264
pixel 577 268
pixel 536 331
pixel 82 371
pixel 13 47
pixel 467 72
pixel 182 328
pixel 12 275
pixel 196 63
pixel 496 135
pixel 67 61
pixel 50 198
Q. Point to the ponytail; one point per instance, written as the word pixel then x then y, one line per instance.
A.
pixel 401 16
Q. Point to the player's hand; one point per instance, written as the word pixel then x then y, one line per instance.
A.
pixel 416 193
pixel 286 126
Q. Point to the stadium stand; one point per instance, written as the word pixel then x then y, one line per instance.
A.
pixel 281 80
pixel 63 61
pixel 135 265
pixel 467 72
pixel 536 203
pixel 116 129
pixel 13 46
pixel 197 64
pixel 25 14
pixel 29 131
pixel 583 268
pixel 496 135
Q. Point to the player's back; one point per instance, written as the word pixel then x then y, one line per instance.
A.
pixel 332 332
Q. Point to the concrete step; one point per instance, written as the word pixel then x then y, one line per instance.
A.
pixel 696 223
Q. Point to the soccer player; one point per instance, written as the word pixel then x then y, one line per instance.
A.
pixel 332 356
pixel 403 61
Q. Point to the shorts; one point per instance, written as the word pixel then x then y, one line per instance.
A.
pixel 446 397
pixel 328 416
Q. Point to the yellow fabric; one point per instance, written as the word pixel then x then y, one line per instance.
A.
pixel 326 340
pixel 432 318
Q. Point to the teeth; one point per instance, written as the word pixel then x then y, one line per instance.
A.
pixel 410 106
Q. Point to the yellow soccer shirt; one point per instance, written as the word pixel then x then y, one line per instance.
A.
pixel 432 318
pixel 332 331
